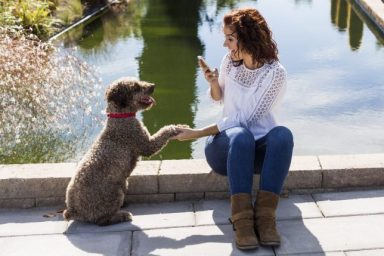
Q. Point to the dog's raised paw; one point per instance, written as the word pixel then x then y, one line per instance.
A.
pixel 183 126
pixel 171 130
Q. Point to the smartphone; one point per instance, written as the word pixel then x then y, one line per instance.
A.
pixel 203 64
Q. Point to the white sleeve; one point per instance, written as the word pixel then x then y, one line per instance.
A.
pixel 229 122
pixel 267 95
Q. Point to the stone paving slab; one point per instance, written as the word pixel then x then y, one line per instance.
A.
pixel 173 229
pixel 31 222
pixel 361 161
pixel 209 212
pixel 351 203
pixel 22 203
pixel 189 176
pixel 305 172
pixel 149 198
pixel 190 241
pixel 106 244
pixel 143 179
pixel 331 234
pixel 318 254
pixel 379 252
pixel 352 170
pixel 37 171
pixel 145 216
pixel 34 180
pixel 297 207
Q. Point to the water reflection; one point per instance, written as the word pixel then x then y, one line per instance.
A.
pixel 171 44
pixel 346 15
pixel 355 29
pixel 343 17
pixel 121 21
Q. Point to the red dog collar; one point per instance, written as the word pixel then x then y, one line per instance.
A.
pixel 121 115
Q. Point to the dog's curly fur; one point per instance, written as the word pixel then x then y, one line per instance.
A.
pixel 96 192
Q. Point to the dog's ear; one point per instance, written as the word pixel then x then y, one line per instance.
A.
pixel 119 95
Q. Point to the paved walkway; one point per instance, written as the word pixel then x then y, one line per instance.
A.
pixel 331 224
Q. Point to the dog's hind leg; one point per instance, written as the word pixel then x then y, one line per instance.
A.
pixel 124 188
pixel 120 216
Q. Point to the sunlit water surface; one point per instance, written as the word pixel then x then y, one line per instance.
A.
pixel 335 63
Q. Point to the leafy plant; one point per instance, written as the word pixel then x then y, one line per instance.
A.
pixel 34 15
pixel 41 17
pixel 68 10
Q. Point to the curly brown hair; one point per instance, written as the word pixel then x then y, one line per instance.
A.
pixel 253 35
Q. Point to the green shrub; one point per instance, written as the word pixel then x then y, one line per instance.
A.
pixel 41 17
pixel 33 15
pixel 68 11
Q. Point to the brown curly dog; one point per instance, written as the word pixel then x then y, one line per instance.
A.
pixel 96 192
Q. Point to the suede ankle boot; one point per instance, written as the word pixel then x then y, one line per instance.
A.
pixel 265 218
pixel 243 221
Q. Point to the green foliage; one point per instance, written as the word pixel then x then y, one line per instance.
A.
pixel 33 15
pixel 42 17
pixel 68 10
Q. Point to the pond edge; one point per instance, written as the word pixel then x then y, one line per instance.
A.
pixel 83 20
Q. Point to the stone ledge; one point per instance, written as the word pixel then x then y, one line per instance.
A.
pixel 31 185
pixel 352 170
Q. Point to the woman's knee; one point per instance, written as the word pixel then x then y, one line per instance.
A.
pixel 216 152
pixel 218 164
pixel 241 137
pixel 282 136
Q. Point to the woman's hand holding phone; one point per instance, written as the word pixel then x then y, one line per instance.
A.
pixel 210 75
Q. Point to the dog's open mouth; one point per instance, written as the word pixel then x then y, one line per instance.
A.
pixel 147 100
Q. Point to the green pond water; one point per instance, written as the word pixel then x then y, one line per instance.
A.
pixel 334 58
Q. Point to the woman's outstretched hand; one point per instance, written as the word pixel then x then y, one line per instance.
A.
pixel 186 133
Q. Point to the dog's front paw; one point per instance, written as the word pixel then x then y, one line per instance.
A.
pixel 172 130
pixel 185 126
pixel 181 127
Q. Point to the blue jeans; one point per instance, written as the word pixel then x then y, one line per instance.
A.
pixel 235 153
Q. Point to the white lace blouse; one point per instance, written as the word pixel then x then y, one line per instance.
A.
pixel 251 97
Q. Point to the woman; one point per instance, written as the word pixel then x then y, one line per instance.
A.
pixel 247 139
